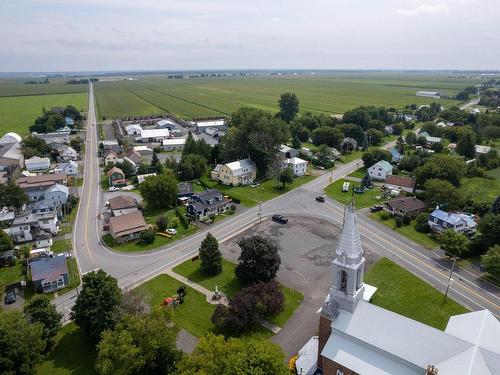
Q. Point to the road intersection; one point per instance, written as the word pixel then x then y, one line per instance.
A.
pixel 134 269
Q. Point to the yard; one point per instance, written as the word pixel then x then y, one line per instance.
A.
pixel 366 199
pixel 13 274
pixel 59 246
pixel 406 294
pixel 251 196
pixel 408 231
pixel 358 173
pixel 227 283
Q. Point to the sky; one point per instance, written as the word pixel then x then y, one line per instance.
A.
pixel 96 35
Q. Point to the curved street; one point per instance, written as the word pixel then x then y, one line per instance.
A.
pixel 133 269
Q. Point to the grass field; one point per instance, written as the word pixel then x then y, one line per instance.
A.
pixel 408 231
pixel 12 274
pixel 324 92
pixel 17 113
pixel 73 354
pixel 405 294
pixel 480 189
pixel 227 283
pixel 358 173
pixel 367 199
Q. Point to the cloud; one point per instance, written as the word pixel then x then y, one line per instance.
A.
pixel 276 19
pixel 426 8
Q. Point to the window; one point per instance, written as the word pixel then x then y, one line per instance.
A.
pixel 339 372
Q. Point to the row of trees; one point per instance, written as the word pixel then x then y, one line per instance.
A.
pixel 52 120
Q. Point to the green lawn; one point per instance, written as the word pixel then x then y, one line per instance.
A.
pixel 408 231
pixel 73 354
pixel 359 173
pixel 12 274
pixel 250 196
pixel 494 173
pixel 350 156
pixel 480 189
pixel 404 293
pixel 367 199
pixel 59 246
pixel 227 283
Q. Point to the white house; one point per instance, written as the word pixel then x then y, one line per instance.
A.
pixel 299 166
pixel 380 170
pixel 70 168
pixel 111 157
pixel 25 226
pixel 134 129
pixel 142 177
pixel 68 153
pixel 174 144
pixel 36 163
pixel 288 152
pixel 57 193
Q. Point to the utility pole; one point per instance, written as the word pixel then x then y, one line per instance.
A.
pixel 449 278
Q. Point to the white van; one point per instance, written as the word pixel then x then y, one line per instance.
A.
pixel 345 186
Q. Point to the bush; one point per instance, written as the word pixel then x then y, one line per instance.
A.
pixel 421 224
pixel 406 220
pixel 174 222
pixel 233 207
pixel 235 200
pixel 161 223
pixel 384 215
pixel 398 221
pixel 148 236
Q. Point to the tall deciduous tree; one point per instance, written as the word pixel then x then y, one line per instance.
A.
pixel 286 176
pixel 159 191
pixel 210 256
pixel 326 135
pixel 374 155
pixel 491 261
pixel 443 167
pixel 442 193
pixel 11 195
pixel 453 243
pixel 289 106
pixel 39 309
pixel 6 243
pixel 21 344
pixel 192 166
pixel 95 307
pixel 259 260
pixel 216 355
pixel 466 146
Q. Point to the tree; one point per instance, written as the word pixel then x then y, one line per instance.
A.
pixel 286 176
pixel 409 163
pixel 216 355
pixel 159 191
pixel 296 143
pixel 489 233
pixel 411 139
pixel 6 243
pixel 491 261
pixel 422 223
pixel 39 309
pixel 192 166
pixel 374 136
pixel 353 131
pixel 11 195
pixel 34 146
pixel 453 243
pixel 210 256
pixel 289 106
pixel 147 236
pixel 466 146
pixel 326 135
pixel 442 193
pixel 367 181
pixel 161 223
pixel 324 155
pixel 95 307
pixel 495 207
pixel 139 344
pixel 127 168
pixel 259 260
pixel 190 147
pixel 443 167
pixel 21 344
pixel 374 155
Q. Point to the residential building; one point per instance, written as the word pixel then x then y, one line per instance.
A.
pixel 70 168
pixel 134 156
pixel 69 121
pixel 36 163
pixel 142 177
pixel 7 258
pixel 68 153
pixel 10 138
pixel 58 194
pixel 429 139
pixel 288 152
pixel 185 189
pixel 49 274
pixel 201 126
pixel 11 159
pixel 430 94
pixel 400 183
pixel 110 157
pixel 44 241
pixel 440 220
pixel 380 170
pixel 116 177
pixel 395 155
pixel 27 226
pixel 43 205
pixel 111 146
pixel 35 186
pixel 122 205
pixel 298 166
pixel 240 172
pixel 143 150
pixel 207 203
pixel 405 206
pixel 127 227
pixel 174 144
pixel 54 140
pixel 357 337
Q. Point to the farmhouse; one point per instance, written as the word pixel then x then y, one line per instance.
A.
pixel 440 220
pixel 380 170
pixel 127 227
pixel 174 144
pixel 210 202
pixel 49 274
pixel 400 183
pixel 406 206
pixel 36 163
pixel 298 166
pixel 241 172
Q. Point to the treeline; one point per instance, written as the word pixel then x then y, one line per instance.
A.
pixel 53 119
pixel 81 81
pixel 37 82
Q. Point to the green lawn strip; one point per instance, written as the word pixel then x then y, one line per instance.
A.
pixel 72 354
pixel 359 173
pixel 408 231
pixel 12 274
pixel 406 294
pixel 59 246
pixel 229 284
pixel 350 156
pixel 366 199
pixel 104 182
pixel 251 196
pixel 74 276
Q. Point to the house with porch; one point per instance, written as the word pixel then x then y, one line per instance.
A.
pixel 207 203
pixel 240 172
pixel 49 274
pixel 127 227
pixel 440 220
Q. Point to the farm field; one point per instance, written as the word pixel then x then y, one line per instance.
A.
pixel 480 189
pixel 326 93
pixel 16 87
pixel 17 113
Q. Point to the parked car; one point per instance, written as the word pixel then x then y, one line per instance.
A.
pixel 280 219
pixel 113 188
pixel 345 186
pixel 321 198
pixel 10 297
pixel 376 208
pixel 171 231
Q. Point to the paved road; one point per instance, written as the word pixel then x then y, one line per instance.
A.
pixel 470 104
pixel 134 269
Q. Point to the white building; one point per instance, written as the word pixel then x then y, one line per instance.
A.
pixel 201 126
pixel 143 150
pixel 174 144
pixel 68 153
pixel 380 170
pixel 24 227
pixel 57 193
pixel 142 177
pixel 153 135
pixel 430 94
pixel 166 123
pixel 36 163
pixel 134 129
pixel 299 166
pixel 240 172
pixel 70 168
pixel 482 149
pixel 10 137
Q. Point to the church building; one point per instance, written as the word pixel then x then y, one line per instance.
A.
pixel 357 337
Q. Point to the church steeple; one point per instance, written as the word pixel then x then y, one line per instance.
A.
pixel 347 267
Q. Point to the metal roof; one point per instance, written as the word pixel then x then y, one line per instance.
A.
pixel 49 269
pixel 385 165
pixel 238 166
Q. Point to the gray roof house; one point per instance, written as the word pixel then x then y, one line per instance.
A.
pixel 288 152
pixel 49 274
pixel 357 337
pixel 209 202
pixel 440 220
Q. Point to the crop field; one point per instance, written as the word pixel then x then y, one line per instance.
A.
pixel 16 87
pixel 17 113
pixel 322 93
pixel 480 189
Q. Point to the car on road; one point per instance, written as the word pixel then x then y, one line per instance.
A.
pixel 280 219
pixel 376 208
pixel 171 231
pixel 113 188
pixel 10 297
pixel 320 198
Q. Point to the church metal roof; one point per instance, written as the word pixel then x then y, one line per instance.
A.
pixel 349 250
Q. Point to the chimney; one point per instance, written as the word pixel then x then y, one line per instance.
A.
pixel 431 370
